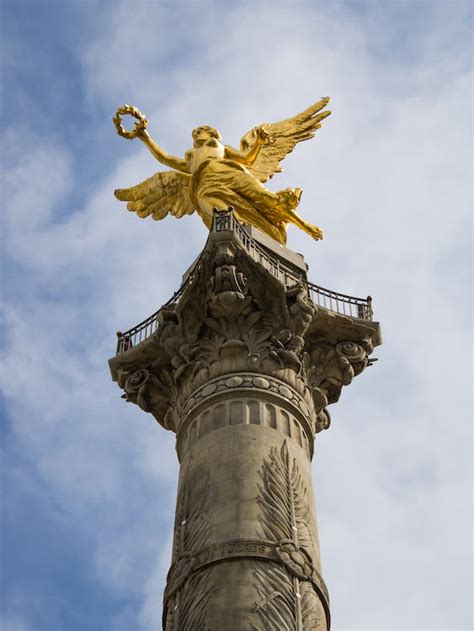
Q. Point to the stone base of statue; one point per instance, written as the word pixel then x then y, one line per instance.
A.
pixel 242 364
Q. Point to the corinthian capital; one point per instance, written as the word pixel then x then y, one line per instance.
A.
pixel 244 308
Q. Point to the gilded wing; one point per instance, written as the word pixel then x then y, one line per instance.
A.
pixel 285 134
pixel 166 192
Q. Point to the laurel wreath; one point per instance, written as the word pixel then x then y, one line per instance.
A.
pixel 140 125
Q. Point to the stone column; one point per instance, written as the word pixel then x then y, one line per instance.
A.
pixel 242 367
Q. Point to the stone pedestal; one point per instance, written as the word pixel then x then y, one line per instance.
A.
pixel 241 365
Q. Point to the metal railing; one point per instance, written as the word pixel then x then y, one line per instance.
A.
pixel 142 331
pixel 340 303
pixel 224 221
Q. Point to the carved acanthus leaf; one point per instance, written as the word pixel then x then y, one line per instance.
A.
pixel 236 316
pixel 300 308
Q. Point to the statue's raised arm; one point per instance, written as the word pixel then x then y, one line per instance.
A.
pixel 214 175
pixel 250 153
pixel 165 158
pixel 165 192
pixel 140 131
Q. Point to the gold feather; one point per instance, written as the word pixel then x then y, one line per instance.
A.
pixel 166 192
pixel 285 136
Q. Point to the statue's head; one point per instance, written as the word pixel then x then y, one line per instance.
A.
pixel 203 133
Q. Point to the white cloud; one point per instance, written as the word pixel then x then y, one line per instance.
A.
pixel 37 177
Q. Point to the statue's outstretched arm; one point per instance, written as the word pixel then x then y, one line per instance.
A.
pixel 248 157
pixel 163 157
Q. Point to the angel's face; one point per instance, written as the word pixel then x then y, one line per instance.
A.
pixel 202 134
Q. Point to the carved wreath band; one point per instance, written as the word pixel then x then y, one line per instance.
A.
pixel 296 560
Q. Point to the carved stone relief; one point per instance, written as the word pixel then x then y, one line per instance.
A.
pixel 231 400
pixel 329 367
pixel 240 347
pixel 276 607
pixel 191 534
pixel 285 510
pixel 284 603
pixel 235 317
pixel 188 609
pixel 243 410
pixel 285 518
pixel 284 567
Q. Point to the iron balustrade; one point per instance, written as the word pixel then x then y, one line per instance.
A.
pixel 224 221
pixel 142 331
pixel 341 303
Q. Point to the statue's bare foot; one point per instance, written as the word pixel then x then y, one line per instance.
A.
pixel 309 228
pixel 314 231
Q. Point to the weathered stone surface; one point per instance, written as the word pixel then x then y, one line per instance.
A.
pixel 242 368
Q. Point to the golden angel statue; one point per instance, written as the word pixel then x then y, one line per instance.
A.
pixel 212 175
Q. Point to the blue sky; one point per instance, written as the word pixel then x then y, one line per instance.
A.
pixel 88 482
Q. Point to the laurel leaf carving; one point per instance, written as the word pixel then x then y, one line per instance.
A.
pixel 196 530
pixel 192 605
pixel 301 508
pixel 285 509
pixel 191 522
pixel 275 519
pixel 275 607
